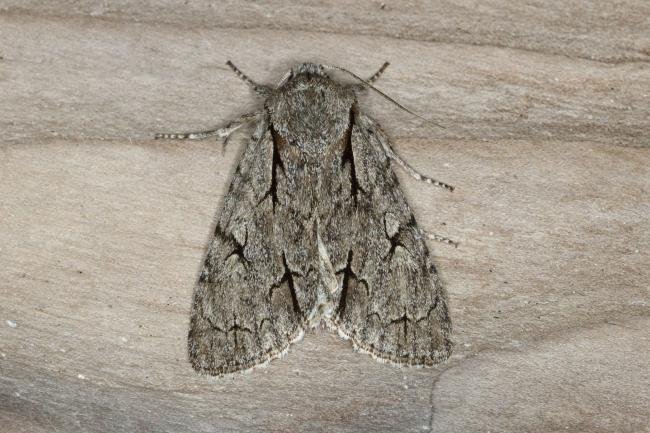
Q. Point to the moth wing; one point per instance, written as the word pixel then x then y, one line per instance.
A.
pixel 391 302
pixel 243 311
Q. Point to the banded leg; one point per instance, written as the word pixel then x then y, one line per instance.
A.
pixel 223 132
pixel 258 88
pixel 410 170
pixel 377 74
pixel 362 87
pixel 442 239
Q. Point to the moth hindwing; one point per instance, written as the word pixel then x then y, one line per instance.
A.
pixel 315 228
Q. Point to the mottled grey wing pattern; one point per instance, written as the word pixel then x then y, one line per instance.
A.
pixel 244 310
pixel 391 303
pixel 315 228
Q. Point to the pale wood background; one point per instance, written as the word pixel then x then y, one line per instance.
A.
pixel 103 230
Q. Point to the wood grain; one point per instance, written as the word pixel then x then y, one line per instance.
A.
pixel 103 230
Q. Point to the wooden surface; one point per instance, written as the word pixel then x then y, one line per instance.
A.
pixel 103 230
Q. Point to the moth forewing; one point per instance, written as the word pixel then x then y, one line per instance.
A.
pixel 315 228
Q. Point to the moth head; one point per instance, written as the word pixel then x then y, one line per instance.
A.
pixel 309 69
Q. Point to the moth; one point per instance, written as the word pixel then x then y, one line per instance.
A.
pixel 315 229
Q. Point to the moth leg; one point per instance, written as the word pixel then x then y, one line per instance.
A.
pixel 223 132
pixel 377 74
pixel 260 89
pixel 362 87
pixel 442 239
pixel 410 170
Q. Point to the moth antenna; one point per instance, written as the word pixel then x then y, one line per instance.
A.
pixel 370 86
pixel 259 89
